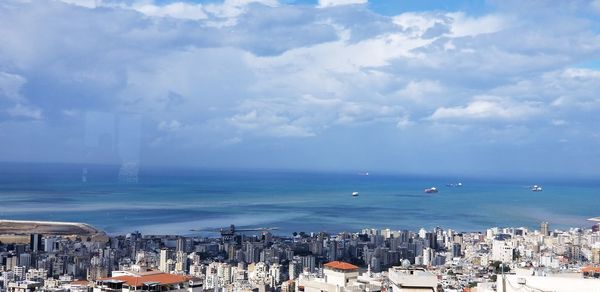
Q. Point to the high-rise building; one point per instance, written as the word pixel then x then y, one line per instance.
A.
pixel 165 255
pixel 308 263
pixel 427 256
pixel 35 243
pixel 49 244
pixel 456 250
pixel 181 263
pixel 181 244
pixel 11 261
pixel 25 260
pixel 544 228
pixel 502 250
pixel 294 269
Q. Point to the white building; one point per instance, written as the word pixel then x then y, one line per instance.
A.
pixel 502 250
pixel 514 283
pixel 412 279
pixel 147 281
pixel 338 277
pixel 164 259
pixel 23 286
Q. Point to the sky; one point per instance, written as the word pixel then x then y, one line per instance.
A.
pixel 499 87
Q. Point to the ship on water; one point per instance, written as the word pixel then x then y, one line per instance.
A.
pixel 536 188
pixel 355 194
pixel 431 190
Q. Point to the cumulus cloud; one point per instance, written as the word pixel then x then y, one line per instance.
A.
pixel 84 3
pixel 330 3
pixel 176 10
pixel 268 123
pixel 23 111
pixel 170 126
pixel 240 73
pixel 464 25
pixel 489 107
pixel 10 86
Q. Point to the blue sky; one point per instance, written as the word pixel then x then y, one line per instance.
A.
pixel 423 87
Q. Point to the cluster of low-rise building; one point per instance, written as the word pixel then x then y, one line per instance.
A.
pixel 497 259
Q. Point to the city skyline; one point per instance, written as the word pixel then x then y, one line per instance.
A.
pixel 45 255
pixel 299 145
pixel 497 88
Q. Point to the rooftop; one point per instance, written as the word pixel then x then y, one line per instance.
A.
pixel 590 269
pixel 161 278
pixel 338 265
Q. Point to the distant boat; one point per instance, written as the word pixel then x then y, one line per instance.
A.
pixel 536 188
pixel 454 185
pixel 355 194
pixel 431 190
pixel 365 173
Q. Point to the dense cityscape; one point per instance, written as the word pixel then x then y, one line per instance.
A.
pixel 497 259
pixel 299 146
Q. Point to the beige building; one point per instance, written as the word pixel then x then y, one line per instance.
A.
pixel 596 254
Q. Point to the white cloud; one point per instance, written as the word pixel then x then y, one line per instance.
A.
pixel 218 14
pixel 177 9
pixel 488 107
pixel 354 112
pixel 269 124
pixel 405 122
pixel 451 24
pixel 234 8
pixel 263 70
pixel 170 126
pixel 569 91
pixel 23 111
pixel 463 25
pixel 10 86
pixel 84 3
pixel 420 90
pixel 331 3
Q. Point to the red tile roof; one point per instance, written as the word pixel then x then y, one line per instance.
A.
pixel 162 278
pixel 338 265
pixel 590 269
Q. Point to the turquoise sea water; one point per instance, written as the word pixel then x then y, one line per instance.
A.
pixel 172 201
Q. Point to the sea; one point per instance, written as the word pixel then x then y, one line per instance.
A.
pixel 162 200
